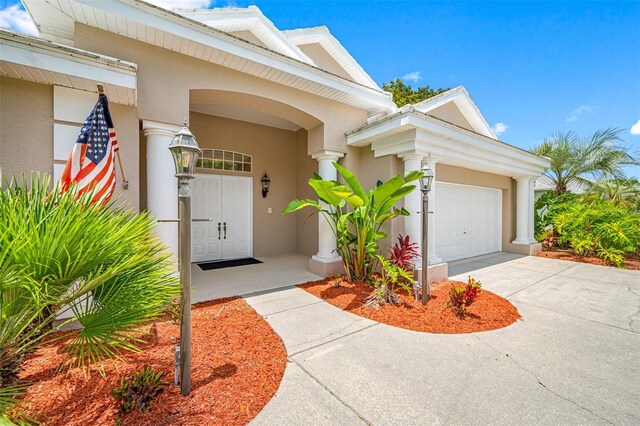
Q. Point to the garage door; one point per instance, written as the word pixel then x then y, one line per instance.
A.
pixel 469 221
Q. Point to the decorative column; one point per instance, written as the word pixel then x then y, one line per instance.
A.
pixel 524 210
pixel 326 239
pixel 413 201
pixel 532 209
pixel 162 187
pixel 433 257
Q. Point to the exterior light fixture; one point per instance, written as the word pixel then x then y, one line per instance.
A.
pixel 185 151
pixel 265 185
pixel 426 179
pixel 425 186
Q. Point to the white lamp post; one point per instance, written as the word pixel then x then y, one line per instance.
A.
pixel 425 187
pixel 185 151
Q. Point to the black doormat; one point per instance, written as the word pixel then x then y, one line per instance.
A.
pixel 219 264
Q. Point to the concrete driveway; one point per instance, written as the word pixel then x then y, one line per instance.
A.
pixel 573 359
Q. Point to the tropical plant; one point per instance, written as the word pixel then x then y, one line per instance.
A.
pixel 139 390
pixel 404 94
pixel 391 277
pixel 546 207
pixel 574 161
pixel 356 217
pixel 403 253
pixel 100 264
pixel 625 191
pixel 597 227
pixel 463 296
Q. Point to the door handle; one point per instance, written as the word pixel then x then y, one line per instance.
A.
pixel 218 230
pixel 225 230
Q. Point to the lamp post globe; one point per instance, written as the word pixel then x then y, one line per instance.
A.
pixel 425 186
pixel 426 179
pixel 185 151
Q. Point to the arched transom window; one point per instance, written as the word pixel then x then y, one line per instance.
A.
pixel 218 159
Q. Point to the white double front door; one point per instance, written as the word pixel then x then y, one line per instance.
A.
pixel 227 201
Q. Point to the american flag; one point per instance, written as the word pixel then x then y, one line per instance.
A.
pixel 91 165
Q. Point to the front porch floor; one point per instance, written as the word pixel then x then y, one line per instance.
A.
pixel 276 272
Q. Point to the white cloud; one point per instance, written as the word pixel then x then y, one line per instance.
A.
pixel 499 128
pixel 635 129
pixel 413 77
pixel 182 4
pixel 16 18
pixel 580 111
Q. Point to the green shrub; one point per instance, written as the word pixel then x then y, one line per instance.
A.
pixel 138 391
pixel 597 227
pixel 391 278
pixel 59 252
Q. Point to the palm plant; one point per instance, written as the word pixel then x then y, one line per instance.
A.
pixel 575 160
pixel 617 190
pixel 99 263
pixel 356 217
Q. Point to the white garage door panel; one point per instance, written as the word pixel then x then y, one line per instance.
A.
pixel 468 221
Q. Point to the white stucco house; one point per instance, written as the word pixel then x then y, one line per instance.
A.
pixel 259 100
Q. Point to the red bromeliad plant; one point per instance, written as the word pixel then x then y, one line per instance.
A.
pixel 404 252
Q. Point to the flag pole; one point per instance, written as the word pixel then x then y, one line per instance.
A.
pixel 125 182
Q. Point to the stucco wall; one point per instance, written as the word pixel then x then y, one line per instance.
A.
pixel 306 226
pixel 127 126
pixel 165 79
pixel 369 171
pixel 26 127
pixel 463 176
pixel 274 151
pixel 323 59
pixel 449 112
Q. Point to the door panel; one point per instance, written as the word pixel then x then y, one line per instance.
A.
pixel 468 221
pixel 236 212
pixel 227 201
pixel 205 203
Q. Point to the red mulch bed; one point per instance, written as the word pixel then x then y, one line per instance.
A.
pixel 489 312
pixel 237 365
pixel 632 260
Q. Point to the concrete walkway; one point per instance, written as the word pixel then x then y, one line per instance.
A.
pixel 573 359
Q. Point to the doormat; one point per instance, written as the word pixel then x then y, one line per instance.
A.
pixel 207 266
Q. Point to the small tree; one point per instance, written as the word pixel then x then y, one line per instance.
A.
pixel 356 217
pixel 575 160
pixel 404 94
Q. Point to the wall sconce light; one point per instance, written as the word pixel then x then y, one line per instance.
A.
pixel 265 185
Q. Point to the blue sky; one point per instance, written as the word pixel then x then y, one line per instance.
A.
pixel 534 67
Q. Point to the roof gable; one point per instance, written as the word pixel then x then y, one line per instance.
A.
pixel 322 36
pixel 236 21
pixel 459 97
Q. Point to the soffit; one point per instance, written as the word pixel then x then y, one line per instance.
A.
pixel 236 112
pixel 33 59
pixel 154 25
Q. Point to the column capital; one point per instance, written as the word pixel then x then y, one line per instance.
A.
pixel 430 161
pixel 327 155
pixel 525 178
pixel 157 128
pixel 408 156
